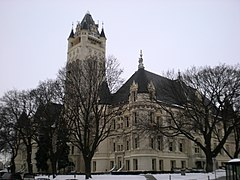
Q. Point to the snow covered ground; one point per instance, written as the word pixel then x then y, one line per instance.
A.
pixel 188 176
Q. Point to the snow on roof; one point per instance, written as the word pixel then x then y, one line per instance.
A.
pixel 234 160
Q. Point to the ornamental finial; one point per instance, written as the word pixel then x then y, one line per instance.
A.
pixel 140 61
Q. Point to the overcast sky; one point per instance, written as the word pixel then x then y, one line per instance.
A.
pixel 173 34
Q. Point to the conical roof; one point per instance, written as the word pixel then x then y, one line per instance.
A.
pixel 102 33
pixel 87 21
pixel 71 34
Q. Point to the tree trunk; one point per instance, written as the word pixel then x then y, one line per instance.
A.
pixel 29 158
pixel 209 162
pixel 87 162
pixel 13 166
pixel 53 164
pixel 236 154
pixel 54 169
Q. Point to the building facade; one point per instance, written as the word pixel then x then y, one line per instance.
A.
pixel 131 150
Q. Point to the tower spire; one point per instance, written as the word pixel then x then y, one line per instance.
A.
pixel 71 33
pixel 140 61
pixel 179 75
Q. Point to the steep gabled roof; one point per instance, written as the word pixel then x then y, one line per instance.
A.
pixel 167 90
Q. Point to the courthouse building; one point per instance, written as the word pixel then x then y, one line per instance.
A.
pixel 134 151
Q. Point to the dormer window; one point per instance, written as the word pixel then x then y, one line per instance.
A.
pixel 134 96
pixel 151 90
pixel 133 91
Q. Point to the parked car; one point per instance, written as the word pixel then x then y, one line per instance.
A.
pixel 11 176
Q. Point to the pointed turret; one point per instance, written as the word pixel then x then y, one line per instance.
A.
pixel 103 34
pixel 71 39
pixel 71 34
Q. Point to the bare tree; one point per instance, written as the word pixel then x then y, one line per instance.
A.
pixel 171 74
pixel 50 90
pixel 53 137
pixel 236 134
pixel 206 109
pixel 113 74
pixel 87 104
pixel 9 138
pixel 20 108
pixel 51 131
pixel 12 106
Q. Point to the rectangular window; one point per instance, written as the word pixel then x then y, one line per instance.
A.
pixel 135 117
pixel 114 124
pixel 72 151
pixel 181 147
pixel 135 164
pixel 196 149
pixel 154 164
pixel 127 145
pixel 94 166
pixel 119 162
pixel 160 165
pixel 134 95
pixel 159 144
pixel 127 122
pixel 114 147
pixel 127 165
pixel 173 164
pixel 183 164
pixel 152 143
pixel 136 143
pixel 170 146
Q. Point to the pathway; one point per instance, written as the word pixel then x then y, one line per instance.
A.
pixel 149 177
